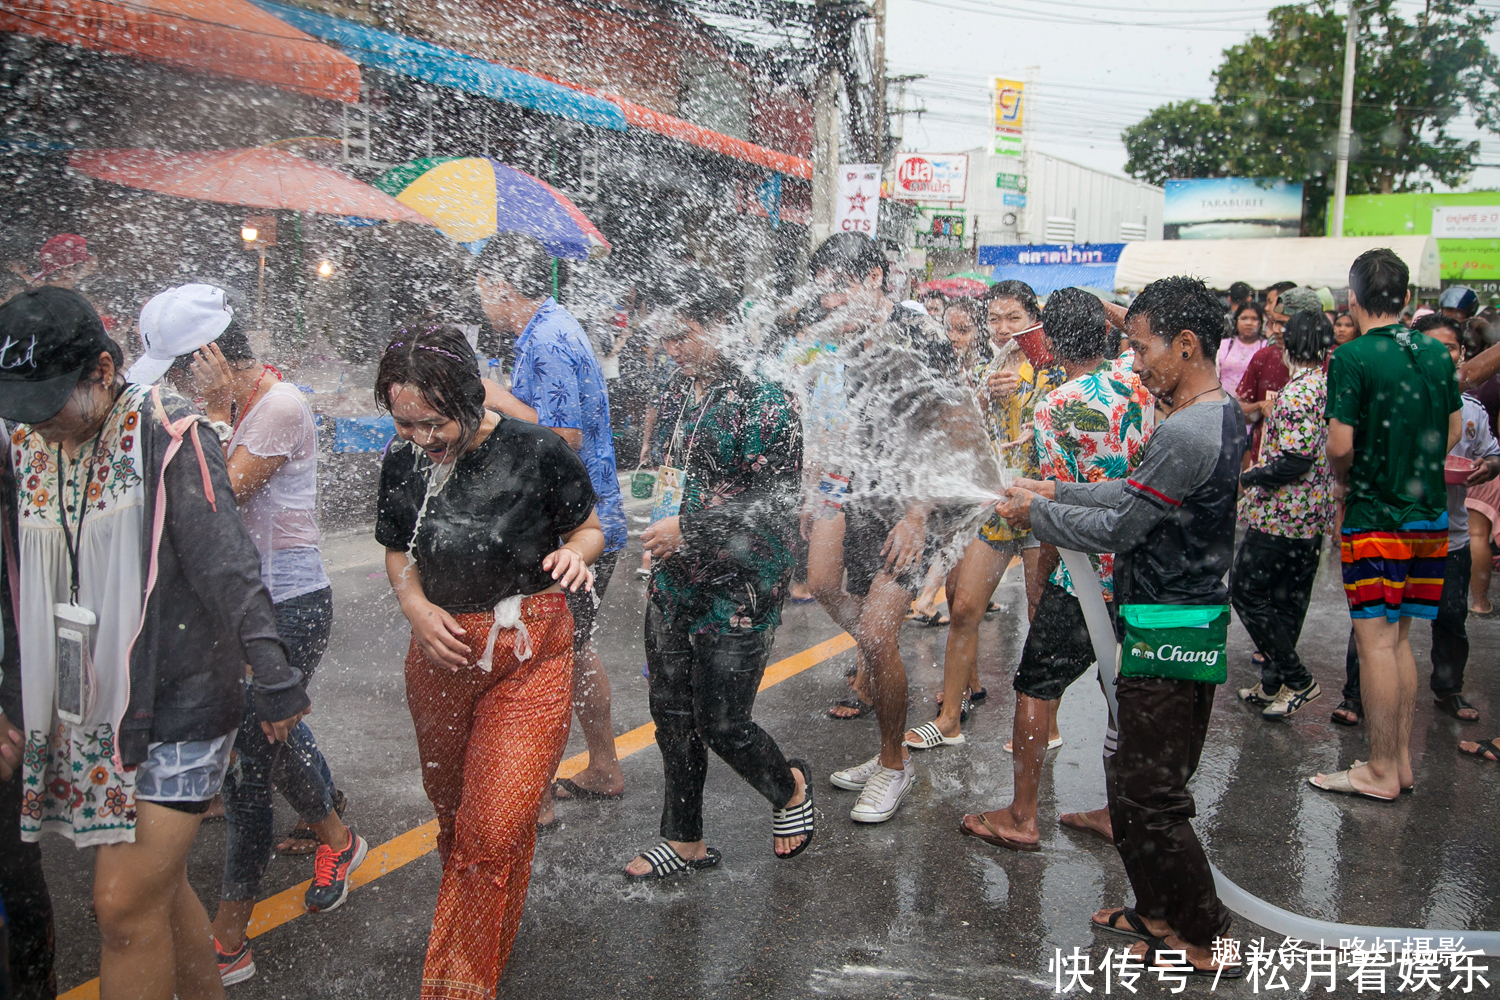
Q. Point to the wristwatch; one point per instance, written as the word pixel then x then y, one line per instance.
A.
pixel 222 429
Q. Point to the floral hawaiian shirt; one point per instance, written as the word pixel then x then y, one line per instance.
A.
pixel 740 448
pixel 1010 420
pixel 1303 508
pixel 1090 429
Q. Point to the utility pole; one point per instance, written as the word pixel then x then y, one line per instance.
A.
pixel 825 122
pixel 878 71
pixel 1346 126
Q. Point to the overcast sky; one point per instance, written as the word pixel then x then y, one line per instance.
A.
pixel 1098 66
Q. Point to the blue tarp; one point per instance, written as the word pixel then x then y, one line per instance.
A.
pixel 363 433
pixel 1045 279
pixel 450 68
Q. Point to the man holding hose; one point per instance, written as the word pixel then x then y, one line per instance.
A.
pixel 1171 525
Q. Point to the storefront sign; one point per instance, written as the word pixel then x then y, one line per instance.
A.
pixel 1010 116
pixel 857 204
pixel 931 177
pixel 1014 200
pixel 944 232
pixel 1010 182
pixel 1042 254
pixel 1466 222
pixel 1227 208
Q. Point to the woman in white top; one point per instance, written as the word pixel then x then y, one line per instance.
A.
pixel 270 443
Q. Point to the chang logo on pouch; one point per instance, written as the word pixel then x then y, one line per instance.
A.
pixel 1180 655
pixel 1142 650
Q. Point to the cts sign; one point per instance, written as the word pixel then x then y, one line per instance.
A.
pixel 931 177
pixel 858 202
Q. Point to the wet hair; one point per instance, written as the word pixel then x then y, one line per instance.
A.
pixel 1378 278
pixel 1240 292
pixel 519 261
pixel 440 364
pixel 1308 337
pixel 1018 290
pixel 1437 321
pixel 1075 322
pixel 972 308
pixel 849 255
pixel 233 344
pixel 1281 286
pixel 1254 307
pixel 1171 305
pixel 91 366
pixel 703 298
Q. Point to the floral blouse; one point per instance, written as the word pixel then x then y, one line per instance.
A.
pixel 1091 429
pixel 1304 507
pixel 72 783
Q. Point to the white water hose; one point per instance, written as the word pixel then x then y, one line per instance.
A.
pixel 1257 911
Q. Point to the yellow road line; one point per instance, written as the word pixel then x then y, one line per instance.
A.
pixel 404 848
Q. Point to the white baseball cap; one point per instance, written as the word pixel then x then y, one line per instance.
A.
pixel 177 322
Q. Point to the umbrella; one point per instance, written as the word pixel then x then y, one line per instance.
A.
pixel 472 198
pixel 958 286
pixel 259 177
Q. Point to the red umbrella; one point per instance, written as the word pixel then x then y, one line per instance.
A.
pixel 257 178
pixel 957 288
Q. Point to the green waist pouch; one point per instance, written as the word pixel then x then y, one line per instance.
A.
pixel 1182 642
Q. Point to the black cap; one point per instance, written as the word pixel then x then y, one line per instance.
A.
pixel 47 337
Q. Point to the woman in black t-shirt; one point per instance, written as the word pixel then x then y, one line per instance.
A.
pixel 486 521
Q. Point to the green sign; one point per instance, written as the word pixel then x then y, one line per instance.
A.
pixel 1011 182
pixel 1468 262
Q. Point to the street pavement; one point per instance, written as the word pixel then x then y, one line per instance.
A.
pixel 908 908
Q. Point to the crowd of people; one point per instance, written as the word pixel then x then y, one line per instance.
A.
pixel 168 604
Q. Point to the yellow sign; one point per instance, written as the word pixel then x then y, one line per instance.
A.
pixel 1010 105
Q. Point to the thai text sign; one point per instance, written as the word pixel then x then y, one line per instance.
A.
pixel 931 177
pixel 1466 222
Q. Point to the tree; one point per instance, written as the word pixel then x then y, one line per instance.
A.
pixel 1275 110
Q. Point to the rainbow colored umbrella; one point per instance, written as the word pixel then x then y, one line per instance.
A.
pixel 471 198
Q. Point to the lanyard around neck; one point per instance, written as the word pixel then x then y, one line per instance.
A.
pixel 71 540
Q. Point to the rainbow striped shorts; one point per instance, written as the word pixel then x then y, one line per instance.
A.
pixel 1397 574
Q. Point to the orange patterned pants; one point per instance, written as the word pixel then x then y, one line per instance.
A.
pixel 489 744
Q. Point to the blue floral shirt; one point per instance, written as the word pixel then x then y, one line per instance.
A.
pixel 558 376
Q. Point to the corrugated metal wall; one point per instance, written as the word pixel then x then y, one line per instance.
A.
pixel 1098 204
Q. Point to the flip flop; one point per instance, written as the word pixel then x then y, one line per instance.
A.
pixel 578 793
pixel 1156 946
pixel 1083 828
pixel 1136 929
pixel 1406 790
pixel 664 861
pixel 1051 745
pixel 1491 746
pixel 929 736
pixel 1339 784
pixel 862 708
pixel 994 836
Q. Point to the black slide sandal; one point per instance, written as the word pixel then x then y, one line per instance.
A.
pixel 664 862
pixel 795 821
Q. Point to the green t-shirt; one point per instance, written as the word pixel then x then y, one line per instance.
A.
pixel 1396 388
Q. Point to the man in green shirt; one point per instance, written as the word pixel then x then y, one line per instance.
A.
pixel 1393 416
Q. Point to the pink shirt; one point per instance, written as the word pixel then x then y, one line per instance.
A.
pixel 1234 358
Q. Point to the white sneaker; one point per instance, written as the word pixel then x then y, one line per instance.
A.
pixel 1287 701
pixel 853 779
pixel 882 794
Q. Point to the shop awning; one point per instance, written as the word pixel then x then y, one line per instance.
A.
pixel 229 38
pixel 450 68
pixel 643 117
pixel 1311 261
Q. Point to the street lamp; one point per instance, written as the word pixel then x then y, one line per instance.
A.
pixel 259 232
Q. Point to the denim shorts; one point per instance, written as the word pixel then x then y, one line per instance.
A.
pixel 188 772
